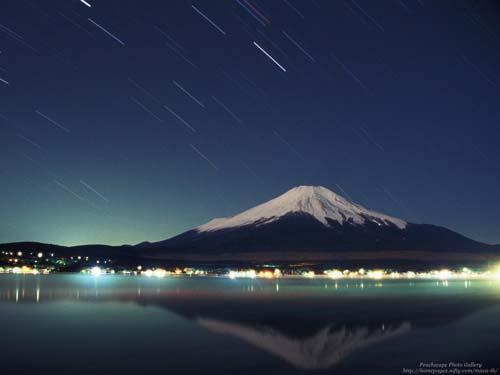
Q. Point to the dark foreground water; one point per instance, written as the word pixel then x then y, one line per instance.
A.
pixel 76 324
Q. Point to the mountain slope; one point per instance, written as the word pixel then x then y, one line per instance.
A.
pixel 322 204
pixel 304 224
pixel 310 218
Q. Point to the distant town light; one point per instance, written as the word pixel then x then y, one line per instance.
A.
pixel 266 274
pixel 445 274
pixel 159 272
pixel 334 274
pixel 39 255
pixel 496 272
pixel 245 274
pixel 376 274
pixel 96 271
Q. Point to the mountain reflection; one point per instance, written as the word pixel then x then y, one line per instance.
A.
pixel 307 324
pixel 322 350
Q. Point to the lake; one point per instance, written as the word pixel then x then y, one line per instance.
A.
pixel 80 324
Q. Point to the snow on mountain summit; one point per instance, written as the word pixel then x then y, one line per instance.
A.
pixel 316 201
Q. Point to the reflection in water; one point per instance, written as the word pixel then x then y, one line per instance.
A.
pixel 300 324
pixel 320 351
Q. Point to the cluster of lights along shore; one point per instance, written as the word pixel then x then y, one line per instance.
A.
pixel 40 263
pixel 376 274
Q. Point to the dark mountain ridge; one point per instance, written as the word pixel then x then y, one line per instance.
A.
pixel 305 223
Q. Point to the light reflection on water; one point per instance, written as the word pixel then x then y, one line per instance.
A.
pixel 283 325
pixel 31 288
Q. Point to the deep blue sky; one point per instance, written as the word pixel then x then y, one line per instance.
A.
pixel 396 103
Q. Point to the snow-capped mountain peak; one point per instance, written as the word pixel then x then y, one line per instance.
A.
pixel 317 201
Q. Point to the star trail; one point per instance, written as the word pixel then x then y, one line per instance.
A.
pixel 124 121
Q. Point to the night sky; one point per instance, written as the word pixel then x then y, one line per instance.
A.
pixel 136 120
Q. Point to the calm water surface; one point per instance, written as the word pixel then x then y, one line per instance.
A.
pixel 78 324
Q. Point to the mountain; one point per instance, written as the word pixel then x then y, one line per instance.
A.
pixel 314 219
pixel 305 224
pixel 322 204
